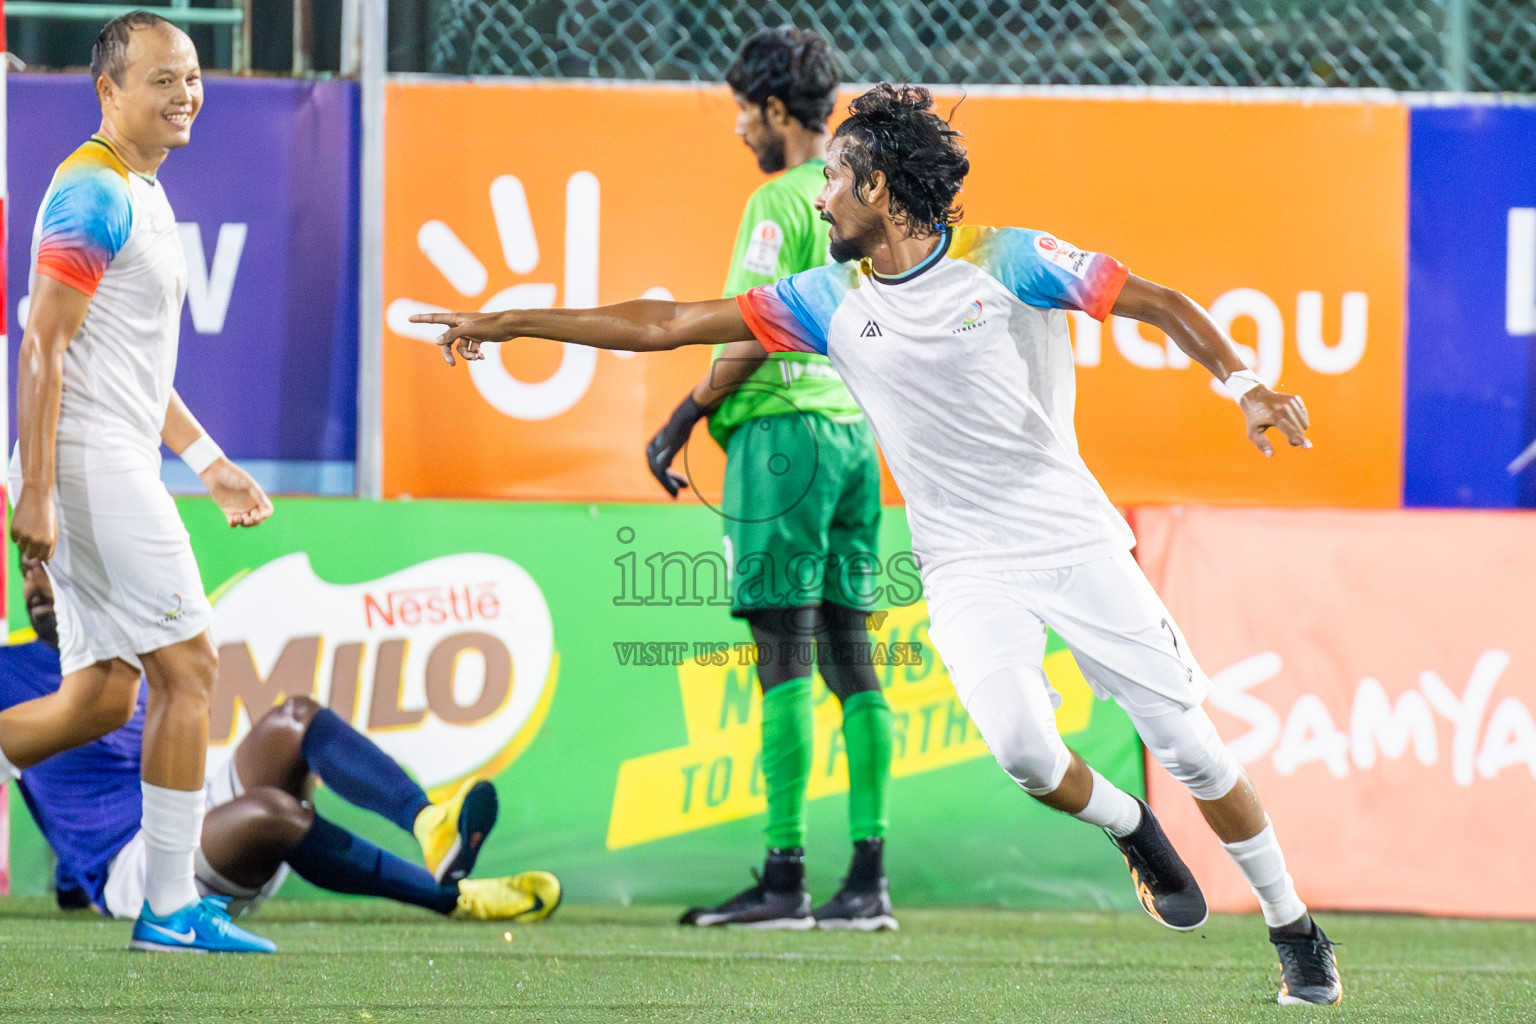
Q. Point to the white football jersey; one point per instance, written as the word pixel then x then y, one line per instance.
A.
pixel 111 234
pixel 964 368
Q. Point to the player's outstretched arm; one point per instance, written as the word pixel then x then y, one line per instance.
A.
pixel 235 491
pixel 642 325
pixel 1193 330
pixel 738 361
pixel 56 314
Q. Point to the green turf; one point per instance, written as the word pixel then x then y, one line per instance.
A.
pixel 367 961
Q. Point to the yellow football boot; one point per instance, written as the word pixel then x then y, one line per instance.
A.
pixel 452 832
pixel 525 898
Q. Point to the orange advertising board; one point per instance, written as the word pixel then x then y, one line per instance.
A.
pixel 1288 220
pixel 518 194
pixel 1375 672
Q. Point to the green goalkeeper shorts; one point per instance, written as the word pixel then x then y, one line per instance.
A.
pixel 802 510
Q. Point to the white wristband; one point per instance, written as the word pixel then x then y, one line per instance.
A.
pixel 201 454
pixel 1240 382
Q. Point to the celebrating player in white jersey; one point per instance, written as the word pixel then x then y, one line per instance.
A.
pixel 94 401
pixel 954 342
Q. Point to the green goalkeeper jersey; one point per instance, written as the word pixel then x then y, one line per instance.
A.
pixel 782 234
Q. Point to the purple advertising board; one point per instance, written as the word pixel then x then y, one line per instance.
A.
pixel 1470 435
pixel 266 201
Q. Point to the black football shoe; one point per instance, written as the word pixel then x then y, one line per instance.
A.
pixel 777 901
pixel 863 904
pixel 1309 972
pixel 1163 883
pixel 867 910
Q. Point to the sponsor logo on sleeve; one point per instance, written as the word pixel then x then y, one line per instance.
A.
pixel 1054 250
pixel 762 256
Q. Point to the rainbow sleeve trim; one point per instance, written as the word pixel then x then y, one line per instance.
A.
pixel 1042 270
pixel 772 323
pixel 794 313
pixel 86 219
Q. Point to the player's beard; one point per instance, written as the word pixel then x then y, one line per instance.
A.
pixel 840 247
pixel 46 625
pixel 770 151
pixel 843 250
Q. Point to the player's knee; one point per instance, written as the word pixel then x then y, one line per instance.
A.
pixel 279 815
pixel 1035 759
pixel 847 678
pixel 845 653
pixel 1012 711
pixel 188 675
pixel 1188 746
pixel 847 685
pixel 299 707
pixel 1040 774
pixel 187 690
pixel 291 717
pixel 197 663
pixel 204 663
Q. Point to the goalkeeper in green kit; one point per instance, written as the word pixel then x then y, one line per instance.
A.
pixel 802 507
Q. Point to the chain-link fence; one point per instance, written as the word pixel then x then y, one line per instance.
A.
pixel 1430 44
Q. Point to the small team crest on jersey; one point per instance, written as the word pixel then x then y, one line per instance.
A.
pixel 971 318
pixel 1054 250
pixel 762 255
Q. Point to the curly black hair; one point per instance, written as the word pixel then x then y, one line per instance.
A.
pixel 795 66
pixel 893 129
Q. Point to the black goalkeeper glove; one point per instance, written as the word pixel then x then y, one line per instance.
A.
pixel 669 440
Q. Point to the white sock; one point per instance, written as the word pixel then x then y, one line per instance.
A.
pixel 7 770
pixel 1262 863
pixel 173 824
pixel 1110 808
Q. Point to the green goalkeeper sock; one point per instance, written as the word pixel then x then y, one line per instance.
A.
pixel 788 732
pixel 867 736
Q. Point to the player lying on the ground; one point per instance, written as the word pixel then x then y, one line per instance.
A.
pixel 954 342
pixel 259 822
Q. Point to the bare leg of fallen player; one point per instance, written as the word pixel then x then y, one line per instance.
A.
pixel 248 839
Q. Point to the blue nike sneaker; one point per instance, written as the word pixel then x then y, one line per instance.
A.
pixel 201 927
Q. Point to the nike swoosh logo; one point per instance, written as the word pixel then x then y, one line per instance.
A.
pixel 185 938
pixel 538 905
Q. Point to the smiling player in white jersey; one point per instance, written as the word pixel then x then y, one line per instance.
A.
pixel 94 402
pixel 954 342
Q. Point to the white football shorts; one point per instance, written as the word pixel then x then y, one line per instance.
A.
pixel 986 617
pixel 125 581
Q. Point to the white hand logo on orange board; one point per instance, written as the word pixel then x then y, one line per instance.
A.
pixel 464 271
